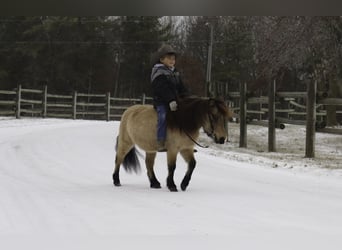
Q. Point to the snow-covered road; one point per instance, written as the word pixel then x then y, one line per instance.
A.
pixel 55 181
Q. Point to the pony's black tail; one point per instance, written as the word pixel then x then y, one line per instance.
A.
pixel 131 161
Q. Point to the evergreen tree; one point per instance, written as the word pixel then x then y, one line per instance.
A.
pixel 15 54
pixel 140 37
pixel 234 51
pixel 65 53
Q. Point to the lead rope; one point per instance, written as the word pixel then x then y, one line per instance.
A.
pixel 192 139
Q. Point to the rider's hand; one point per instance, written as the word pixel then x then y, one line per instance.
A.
pixel 173 105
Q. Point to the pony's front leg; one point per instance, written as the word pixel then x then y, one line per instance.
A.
pixel 171 163
pixel 188 156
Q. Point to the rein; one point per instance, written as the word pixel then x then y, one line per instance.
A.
pixel 199 104
pixel 193 140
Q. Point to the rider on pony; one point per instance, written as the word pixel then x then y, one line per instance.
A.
pixel 167 86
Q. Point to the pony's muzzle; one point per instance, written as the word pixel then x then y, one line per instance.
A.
pixel 220 140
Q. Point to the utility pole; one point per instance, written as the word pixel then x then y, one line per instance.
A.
pixel 118 62
pixel 209 63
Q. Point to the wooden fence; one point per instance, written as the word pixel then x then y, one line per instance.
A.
pixel 32 102
pixel 257 109
pixel 312 113
pixel 39 103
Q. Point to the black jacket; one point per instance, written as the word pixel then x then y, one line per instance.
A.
pixel 167 85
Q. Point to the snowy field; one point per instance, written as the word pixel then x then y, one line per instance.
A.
pixel 56 192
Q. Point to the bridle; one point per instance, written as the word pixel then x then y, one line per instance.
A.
pixel 210 134
pixel 210 118
pixel 211 122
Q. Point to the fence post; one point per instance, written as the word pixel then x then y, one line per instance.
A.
pixel 45 102
pixel 260 106
pixel 243 115
pixel 18 101
pixel 310 119
pixel 74 105
pixel 225 97
pixel 143 99
pixel 108 106
pixel 271 117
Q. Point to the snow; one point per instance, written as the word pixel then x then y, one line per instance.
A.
pixel 290 144
pixel 56 192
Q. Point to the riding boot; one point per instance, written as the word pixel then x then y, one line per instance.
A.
pixel 161 146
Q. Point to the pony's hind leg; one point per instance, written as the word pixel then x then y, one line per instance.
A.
pixel 122 149
pixel 149 161
pixel 188 156
pixel 116 177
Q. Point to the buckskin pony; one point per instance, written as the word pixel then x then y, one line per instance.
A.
pixel 138 127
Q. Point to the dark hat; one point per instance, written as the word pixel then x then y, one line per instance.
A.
pixel 162 51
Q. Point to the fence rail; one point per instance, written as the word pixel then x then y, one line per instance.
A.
pixel 33 102
pixel 285 108
pixel 295 109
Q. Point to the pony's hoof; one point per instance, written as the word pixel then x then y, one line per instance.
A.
pixel 185 182
pixel 154 183
pixel 155 186
pixel 183 187
pixel 173 189
pixel 117 184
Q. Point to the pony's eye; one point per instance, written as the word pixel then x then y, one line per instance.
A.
pixel 214 111
pixel 215 118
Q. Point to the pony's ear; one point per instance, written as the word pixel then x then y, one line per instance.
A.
pixel 212 106
pixel 212 102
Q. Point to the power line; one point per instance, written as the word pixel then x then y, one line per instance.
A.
pixel 92 42
pixel 116 21
pixel 112 42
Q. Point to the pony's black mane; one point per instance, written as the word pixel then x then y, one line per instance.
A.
pixel 192 112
